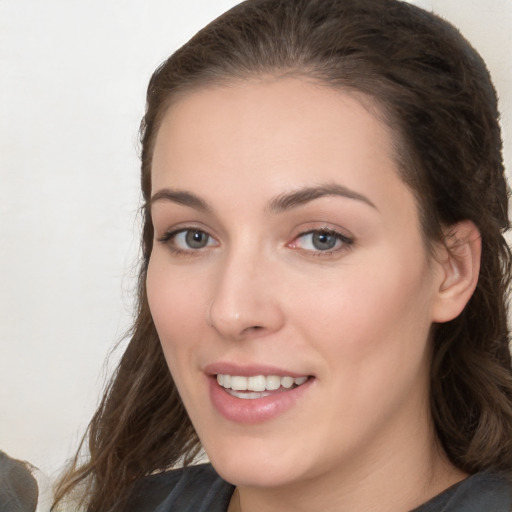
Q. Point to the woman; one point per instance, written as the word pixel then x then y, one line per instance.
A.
pixel 324 276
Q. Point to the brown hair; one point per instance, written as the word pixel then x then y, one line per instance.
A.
pixel 435 92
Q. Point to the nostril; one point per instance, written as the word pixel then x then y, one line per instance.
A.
pixel 253 329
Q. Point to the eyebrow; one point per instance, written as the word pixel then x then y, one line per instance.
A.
pixel 302 196
pixel 181 197
pixel 278 204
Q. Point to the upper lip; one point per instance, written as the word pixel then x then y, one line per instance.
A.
pixel 249 370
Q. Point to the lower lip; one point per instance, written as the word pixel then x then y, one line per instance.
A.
pixel 257 410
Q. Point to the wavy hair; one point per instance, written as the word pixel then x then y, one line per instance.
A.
pixel 434 91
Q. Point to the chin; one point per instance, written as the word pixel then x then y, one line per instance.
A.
pixel 259 464
pixel 256 475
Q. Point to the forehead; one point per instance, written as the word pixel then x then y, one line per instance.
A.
pixel 270 134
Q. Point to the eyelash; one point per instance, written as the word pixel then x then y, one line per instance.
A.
pixel 344 240
pixel 169 239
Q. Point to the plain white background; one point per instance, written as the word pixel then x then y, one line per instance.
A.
pixel 72 87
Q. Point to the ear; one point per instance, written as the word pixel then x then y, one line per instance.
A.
pixel 459 263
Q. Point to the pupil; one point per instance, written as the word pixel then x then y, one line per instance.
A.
pixel 196 239
pixel 323 241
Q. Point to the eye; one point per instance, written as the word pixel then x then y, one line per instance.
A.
pixel 321 241
pixel 192 239
pixel 188 240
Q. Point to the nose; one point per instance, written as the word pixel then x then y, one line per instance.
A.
pixel 246 299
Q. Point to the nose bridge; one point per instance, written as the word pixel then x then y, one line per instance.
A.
pixel 244 299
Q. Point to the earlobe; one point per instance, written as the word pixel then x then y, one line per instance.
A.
pixel 459 262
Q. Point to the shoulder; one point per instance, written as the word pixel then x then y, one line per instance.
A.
pixel 18 487
pixel 190 489
pixel 481 492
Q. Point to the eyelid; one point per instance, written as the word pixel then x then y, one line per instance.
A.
pixel 346 241
pixel 169 229
pixel 168 239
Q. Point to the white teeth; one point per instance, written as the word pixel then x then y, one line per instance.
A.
pixel 257 383
pixel 239 383
pixel 248 395
pixel 287 382
pixel 273 382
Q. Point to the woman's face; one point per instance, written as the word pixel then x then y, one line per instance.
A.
pixel 288 259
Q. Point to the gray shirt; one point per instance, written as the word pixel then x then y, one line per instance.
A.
pixel 18 488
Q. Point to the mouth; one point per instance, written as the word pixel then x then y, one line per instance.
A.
pixel 258 386
pixel 256 394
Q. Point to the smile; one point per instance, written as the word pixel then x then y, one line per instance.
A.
pixel 257 396
pixel 257 386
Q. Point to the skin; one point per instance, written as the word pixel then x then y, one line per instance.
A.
pixel 356 318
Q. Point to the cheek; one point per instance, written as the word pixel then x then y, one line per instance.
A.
pixel 177 305
pixel 372 336
pixel 369 312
